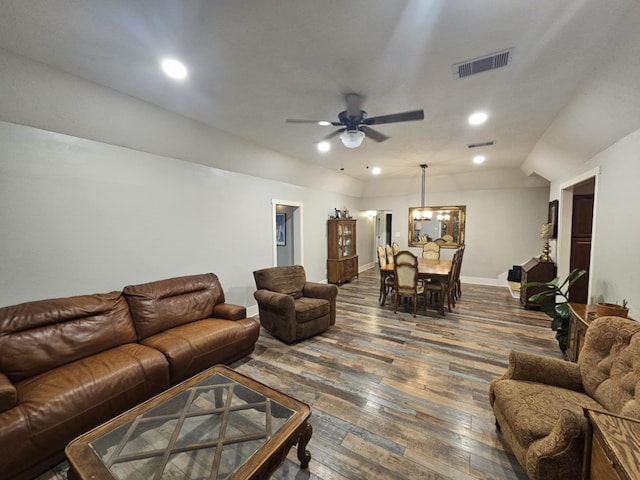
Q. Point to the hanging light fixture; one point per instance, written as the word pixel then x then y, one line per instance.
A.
pixel 423 213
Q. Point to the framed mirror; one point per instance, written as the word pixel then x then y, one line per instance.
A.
pixel 444 225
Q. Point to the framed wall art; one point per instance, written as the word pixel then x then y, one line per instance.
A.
pixel 281 232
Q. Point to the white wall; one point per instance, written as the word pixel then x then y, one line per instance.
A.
pixel 615 267
pixel 80 216
pixel 126 192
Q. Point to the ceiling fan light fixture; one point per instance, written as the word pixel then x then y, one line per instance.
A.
pixel 352 138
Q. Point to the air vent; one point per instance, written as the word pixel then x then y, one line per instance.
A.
pixel 481 144
pixel 483 64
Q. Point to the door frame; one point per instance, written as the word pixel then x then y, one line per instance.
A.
pixel 297 237
pixel 565 218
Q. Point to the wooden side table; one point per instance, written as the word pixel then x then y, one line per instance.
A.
pixel 612 447
pixel 581 316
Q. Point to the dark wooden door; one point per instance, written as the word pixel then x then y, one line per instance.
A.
pixel 581 226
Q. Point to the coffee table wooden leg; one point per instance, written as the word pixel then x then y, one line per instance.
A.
pixel 303 454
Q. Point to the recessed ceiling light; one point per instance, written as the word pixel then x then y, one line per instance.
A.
pixel 376 170
pixel 174 68
pixel 478 159
pixel 324 123
pixel 324 146
pixel 478 118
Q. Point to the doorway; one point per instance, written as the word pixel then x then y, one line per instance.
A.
pixel 382 230
pixel 577 220
pixel 287 233
pixel 581 228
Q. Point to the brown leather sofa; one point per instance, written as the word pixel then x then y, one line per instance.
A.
pixel 538 403
pixel 69 364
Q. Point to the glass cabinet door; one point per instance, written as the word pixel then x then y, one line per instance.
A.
pixel 347 240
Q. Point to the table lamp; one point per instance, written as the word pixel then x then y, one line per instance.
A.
pixel 546 232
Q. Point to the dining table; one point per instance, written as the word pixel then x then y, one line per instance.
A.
pixel 428 270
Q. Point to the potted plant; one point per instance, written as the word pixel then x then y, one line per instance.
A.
pixel 558 308
pixel 604 309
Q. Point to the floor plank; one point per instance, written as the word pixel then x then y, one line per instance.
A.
pixel 397 397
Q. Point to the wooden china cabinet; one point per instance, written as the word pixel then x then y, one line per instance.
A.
pixel 342 258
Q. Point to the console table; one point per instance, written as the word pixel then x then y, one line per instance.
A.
pixel 612 447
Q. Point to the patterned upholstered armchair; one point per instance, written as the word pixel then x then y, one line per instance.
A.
pixel 291 308
pixel 538 403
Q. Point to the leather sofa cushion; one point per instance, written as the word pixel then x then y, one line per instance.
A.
pixel 36 337
pixel 532 409
pixel 289 280
pixel 164 304
pixel 58 405
pixel 311 308
pixel 196 346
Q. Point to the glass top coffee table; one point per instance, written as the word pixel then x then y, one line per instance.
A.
pixel 218 424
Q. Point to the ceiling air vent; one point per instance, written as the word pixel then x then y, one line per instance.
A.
pixel 481 144
pixel 482 64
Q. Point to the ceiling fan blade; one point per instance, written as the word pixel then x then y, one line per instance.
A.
pixel 317 122
pixel 395 117
pixel 331 135
pixel 373 134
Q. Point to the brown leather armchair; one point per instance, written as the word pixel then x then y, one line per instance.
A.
pixel 291 308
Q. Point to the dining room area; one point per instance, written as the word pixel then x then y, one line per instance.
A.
pixel 426 282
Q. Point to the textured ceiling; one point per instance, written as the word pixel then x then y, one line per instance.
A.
pixel 255 63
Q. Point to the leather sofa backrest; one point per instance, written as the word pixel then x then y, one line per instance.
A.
pixel 163 304
pixel 289 280
pixel 38 336
pixel 610 364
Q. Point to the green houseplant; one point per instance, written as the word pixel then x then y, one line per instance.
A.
pixel 558 307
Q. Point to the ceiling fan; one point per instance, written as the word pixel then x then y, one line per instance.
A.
pixel 356 125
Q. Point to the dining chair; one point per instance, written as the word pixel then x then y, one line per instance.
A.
pixel 405 269
pixel 386 281
pixel 389 251
pixel 443 288
pixel 395 247
pixel 457 284
pixel 431 250
pixel 447 238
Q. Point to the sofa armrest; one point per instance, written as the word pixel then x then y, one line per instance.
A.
pixel 8 394
pixel 559 454
pixel 274 301
pixel 545 370
pixel 229 311
pixel 320 290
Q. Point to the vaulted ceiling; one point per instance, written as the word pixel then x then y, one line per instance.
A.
pixel 569 90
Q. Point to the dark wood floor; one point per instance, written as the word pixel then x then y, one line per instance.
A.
pixel 398 397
